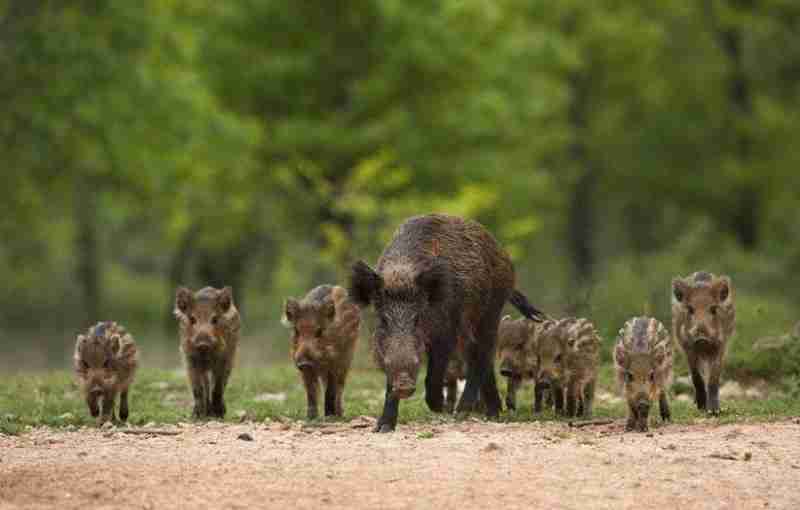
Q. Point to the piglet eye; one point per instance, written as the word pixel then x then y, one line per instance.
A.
pixel 558 359
pixel 319 332
pixel 107 364
pixel 192 320
pixel 690 309
pixel 215 320
pixel 84 365
pixel 714 310
pixel 628 377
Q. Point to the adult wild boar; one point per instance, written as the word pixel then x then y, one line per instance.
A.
pixel 439 277
pixel 703 320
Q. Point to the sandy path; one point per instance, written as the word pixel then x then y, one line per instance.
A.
pixel 464 465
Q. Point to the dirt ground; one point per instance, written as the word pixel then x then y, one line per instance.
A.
pixel 462 465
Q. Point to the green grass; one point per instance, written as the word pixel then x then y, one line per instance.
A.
pixel 162 396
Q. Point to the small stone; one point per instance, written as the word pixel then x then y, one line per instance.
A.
pixel 748 456
pixel 245 437
pixel 492 447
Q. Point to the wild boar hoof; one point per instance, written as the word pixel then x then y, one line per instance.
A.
pixel 382 428
pixel 218 410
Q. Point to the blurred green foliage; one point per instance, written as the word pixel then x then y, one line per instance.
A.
pixel 609 145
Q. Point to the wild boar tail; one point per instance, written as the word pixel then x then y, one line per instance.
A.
pixel 524 306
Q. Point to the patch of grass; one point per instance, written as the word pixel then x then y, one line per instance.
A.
pixel 275 392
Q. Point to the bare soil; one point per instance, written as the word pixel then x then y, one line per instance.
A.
pixel 461 465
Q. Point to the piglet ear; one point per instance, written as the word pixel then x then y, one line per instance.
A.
pixel 184 299
pixel 364 283
pixel 290 309
pixel 329 310
pixel 433 281
pixel 679 290
pixel 225 299
pixel 114 343
pixel 723 289
pixel 619 355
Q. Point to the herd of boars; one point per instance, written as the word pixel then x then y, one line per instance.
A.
pixel 438 292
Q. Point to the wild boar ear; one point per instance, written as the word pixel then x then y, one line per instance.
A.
pixel 433 281
pixel 329 310
pixel 619 355
pixel 184 299
pixel 290 309
pixel 364 283
pixel 679 290
pixel 114 343
pixel 225 299
pixel 722 289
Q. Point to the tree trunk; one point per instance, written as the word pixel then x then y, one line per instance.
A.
pixel 89 265
pixel 581 214
pixel 177 274
pixel 745 216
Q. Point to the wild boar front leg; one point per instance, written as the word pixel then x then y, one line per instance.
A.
pixel 123 406
pixel 91 401
pixel 588 400
pixel 697 380
pixel 331 390
pixel 109 399
pixel 311 382
pixel 558 397
pixel 452 394
pixel 714 372
pixel 339 408
pixel 572 398
pixel 663 405
pixel 221 376
pixel 199 381
pixel 391 407
pixel 511 392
